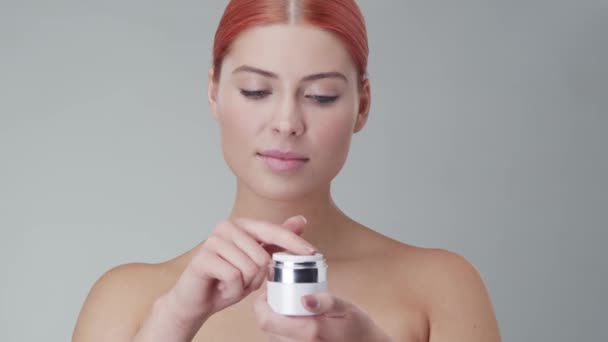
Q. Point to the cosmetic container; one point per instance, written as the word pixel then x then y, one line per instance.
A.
pixel 291 277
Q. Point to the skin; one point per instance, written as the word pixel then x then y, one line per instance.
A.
pixel 380 289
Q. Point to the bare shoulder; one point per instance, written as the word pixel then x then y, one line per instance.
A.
pixel 457 302
pixel 118 301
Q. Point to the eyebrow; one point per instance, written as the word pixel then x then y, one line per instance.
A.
pixel 269 74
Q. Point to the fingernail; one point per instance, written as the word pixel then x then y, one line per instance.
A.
pixel 311 301
pixel 303 219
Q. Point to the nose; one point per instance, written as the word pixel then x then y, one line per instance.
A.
pixel 288 121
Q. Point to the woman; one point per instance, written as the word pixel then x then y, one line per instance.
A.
pixel 288 88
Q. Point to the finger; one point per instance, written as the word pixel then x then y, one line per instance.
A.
pixel 246 243
pixel 258 280
pixel 296 224
pixel 209 268
pixel 326 304
pixel 277 338
pixel 207 265
pixel 235 256
pixel 272 234
pixel 295 327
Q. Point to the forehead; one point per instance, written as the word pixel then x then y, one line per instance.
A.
pixel 290 51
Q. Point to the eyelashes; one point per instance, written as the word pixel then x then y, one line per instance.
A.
pixel 261 94
pixel 255 94
pixel 322 99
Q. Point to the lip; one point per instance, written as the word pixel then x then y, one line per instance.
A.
pixel 283 155
pixel 283 161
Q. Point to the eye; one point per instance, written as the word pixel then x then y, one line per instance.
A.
pixel 322 99
pixel 255 94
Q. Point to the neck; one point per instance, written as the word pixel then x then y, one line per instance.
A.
pixel 327 224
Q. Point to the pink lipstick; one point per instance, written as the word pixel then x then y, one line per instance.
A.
pixel 282 161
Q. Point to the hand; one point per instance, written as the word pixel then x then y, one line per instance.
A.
pixel 230 264
pixel 336 320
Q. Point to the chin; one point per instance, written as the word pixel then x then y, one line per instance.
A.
pixel 283 187
pixel 277 190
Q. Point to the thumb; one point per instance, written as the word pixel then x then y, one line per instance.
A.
pixel 326 304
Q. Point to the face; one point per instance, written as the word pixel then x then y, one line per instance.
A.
pixel 287 88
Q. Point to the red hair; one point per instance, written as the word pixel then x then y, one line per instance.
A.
pixel 340 17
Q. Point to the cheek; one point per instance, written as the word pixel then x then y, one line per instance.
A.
pixel 238 131
pixel 334 136
pixel 236 121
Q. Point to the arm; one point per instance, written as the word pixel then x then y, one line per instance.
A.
pixel 225 269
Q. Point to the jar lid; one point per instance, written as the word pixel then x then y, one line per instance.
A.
pixel 294 258
pixel 291 268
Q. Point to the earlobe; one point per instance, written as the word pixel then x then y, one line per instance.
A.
pixel 212 93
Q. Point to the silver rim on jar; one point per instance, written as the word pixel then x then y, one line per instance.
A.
pixel 298 272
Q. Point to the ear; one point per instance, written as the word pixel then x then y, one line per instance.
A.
pixel 364 106
pixel 212 93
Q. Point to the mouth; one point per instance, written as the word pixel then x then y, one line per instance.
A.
pixel 280 161
pixel 283 155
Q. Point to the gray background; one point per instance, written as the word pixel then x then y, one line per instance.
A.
pixel 487 136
